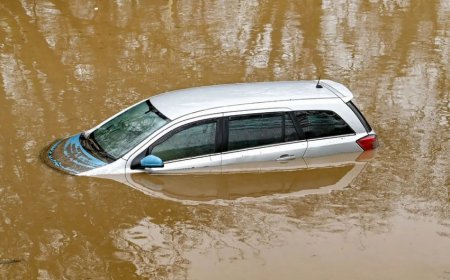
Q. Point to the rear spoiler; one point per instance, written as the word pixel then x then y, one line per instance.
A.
pixel 338 89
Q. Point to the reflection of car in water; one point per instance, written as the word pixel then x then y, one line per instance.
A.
pixel 215 129
pixel 313 175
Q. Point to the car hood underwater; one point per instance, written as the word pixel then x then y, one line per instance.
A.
pixel 69 156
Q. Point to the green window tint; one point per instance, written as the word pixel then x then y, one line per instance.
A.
pixel 193 141
pixel 124 132
pixel 290 134
pixel 318 124
pixel 255 130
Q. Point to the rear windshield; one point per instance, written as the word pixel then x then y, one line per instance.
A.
pixel 360 116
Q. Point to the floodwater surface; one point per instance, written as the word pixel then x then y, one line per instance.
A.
pixel 67 65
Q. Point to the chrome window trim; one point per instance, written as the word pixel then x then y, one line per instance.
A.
pixel 190 158
pixel 332 137
pixel 264 146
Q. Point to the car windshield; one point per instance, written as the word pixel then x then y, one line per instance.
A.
pixel 119 135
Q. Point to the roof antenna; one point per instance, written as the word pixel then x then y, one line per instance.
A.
pixel 318 85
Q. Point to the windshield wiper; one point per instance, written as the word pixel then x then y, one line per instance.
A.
pixel 94 147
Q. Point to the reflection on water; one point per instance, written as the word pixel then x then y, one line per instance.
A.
pixel 330 173
pixel 67 65
pixel 231 186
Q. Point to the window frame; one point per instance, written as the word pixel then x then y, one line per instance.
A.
pixel 225 132
pixel 325 137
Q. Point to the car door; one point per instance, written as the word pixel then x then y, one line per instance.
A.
pixel 192 147
pixel 262 142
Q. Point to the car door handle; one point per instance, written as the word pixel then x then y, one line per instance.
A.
pixel 286 157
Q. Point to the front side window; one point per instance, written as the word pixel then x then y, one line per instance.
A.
pixel 318 124
pixel 259 130
pixel 119 135
pixel 192 141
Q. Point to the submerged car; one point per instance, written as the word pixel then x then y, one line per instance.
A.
pixel 221 128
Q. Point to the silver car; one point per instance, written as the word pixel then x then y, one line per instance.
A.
pixel 222 128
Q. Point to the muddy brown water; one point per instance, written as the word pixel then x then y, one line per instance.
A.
pixel 67 65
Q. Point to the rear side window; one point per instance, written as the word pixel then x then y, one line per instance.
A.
pixel 191 141
pixel 318 124
pixel 360 116
pixel 259 130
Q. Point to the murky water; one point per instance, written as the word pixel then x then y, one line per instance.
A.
pixel 67 65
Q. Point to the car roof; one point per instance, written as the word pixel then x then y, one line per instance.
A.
pixel 181 102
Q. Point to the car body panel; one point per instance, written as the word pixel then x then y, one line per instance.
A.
pixel 280 156
pixel 329 146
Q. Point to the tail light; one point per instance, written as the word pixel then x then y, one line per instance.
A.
pixel 368 142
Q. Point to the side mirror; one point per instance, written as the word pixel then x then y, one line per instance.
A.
pixel 151 161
